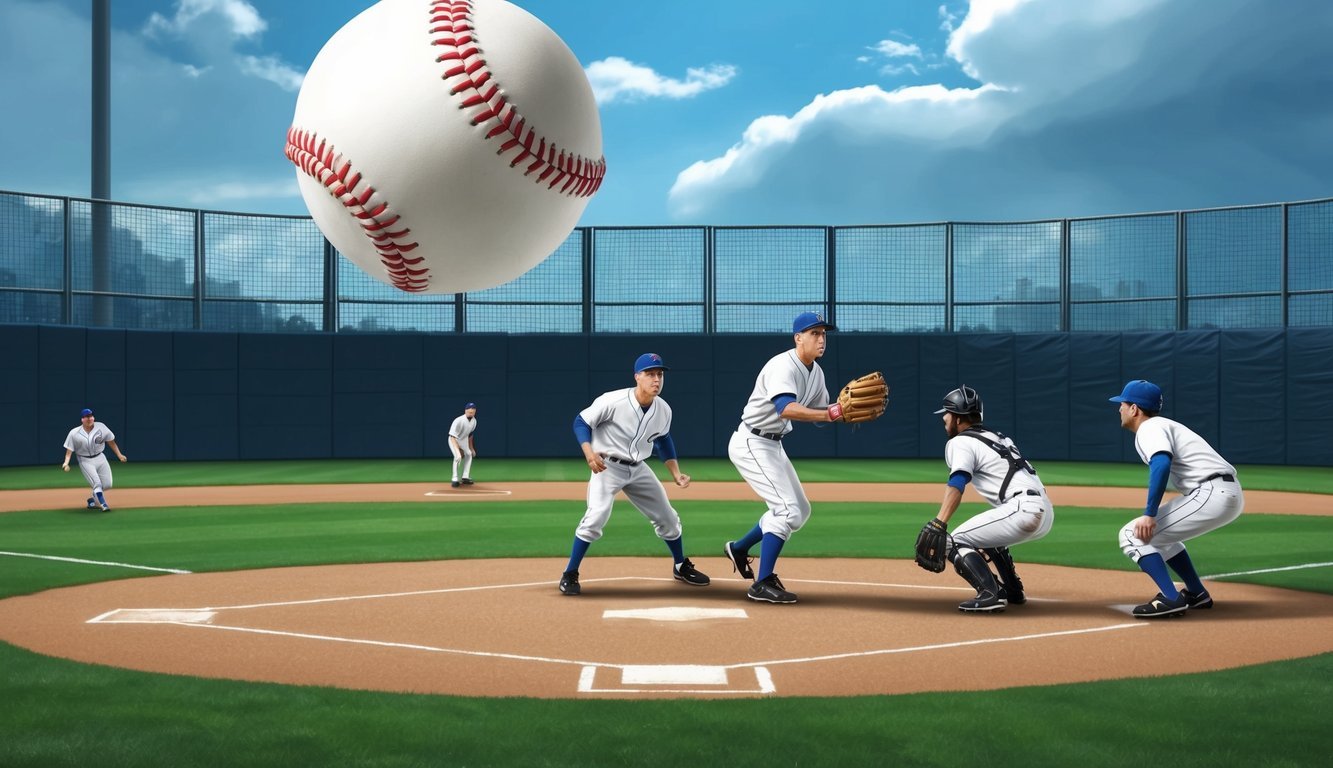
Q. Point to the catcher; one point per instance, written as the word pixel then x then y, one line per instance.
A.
pixel 790 387
pixel 1021 511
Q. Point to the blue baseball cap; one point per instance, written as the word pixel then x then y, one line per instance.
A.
pixel 469 405
pixel 807 320
pixel 1142 393
pixel 649 360
pixel 85 412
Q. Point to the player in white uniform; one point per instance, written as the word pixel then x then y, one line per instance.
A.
pixel 1020 511
pixel 790 387
pixel 1211 498
pixel 463 446
pixel 89 440
pixel 618 432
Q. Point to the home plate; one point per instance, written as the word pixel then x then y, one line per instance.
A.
pixel 673 674
pixel 154 616
pixel 683 613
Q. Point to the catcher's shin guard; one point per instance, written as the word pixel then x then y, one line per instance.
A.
pixel 1006 573
pixel 974 570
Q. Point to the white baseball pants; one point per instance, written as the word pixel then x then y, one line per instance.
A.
pixel 1206 508
pixel 1021 518
pixel 462 455
pixel 97 471
pixel 765 466
pixel 643 490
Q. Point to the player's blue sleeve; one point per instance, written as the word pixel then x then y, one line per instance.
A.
pixel 1159 470
pixel 959 480
pixel 780 402
pixel 666 447
pixel 582 430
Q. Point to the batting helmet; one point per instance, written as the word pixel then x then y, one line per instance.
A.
pixel 963 401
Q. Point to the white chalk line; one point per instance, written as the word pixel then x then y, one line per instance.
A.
pixel 346 598
pixel 93 562
pixel 936 647
pixel 1268 570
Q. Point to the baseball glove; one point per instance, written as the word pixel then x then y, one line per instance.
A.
pixel 863 399
pixel 932 545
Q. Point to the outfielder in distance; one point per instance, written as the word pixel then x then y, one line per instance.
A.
pixel 1211 498
pixel 90 440
pixel 790 387
pixel 618 432
pixel 462 444
pixel 1020 510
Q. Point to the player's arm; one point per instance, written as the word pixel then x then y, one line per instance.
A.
pixel 1159 471
pixel 583 433
pixel 472 445
pixel 953 495
pixel 68 453
pixel 116 448
pixel 787 407
pixel 666 451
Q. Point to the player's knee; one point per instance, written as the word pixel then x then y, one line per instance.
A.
pixel 1131 546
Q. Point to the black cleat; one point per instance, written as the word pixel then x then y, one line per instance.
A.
pixel 453 484
pixel 687 573
pixel 984 602
pixel 770 590
pixel 1200 601
pixel 467 481
pixel 740 561
pixel 569 583
pixel 92 503
pixel 1161 608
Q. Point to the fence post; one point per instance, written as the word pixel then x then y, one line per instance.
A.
pixel 199 274
pixel 1182 276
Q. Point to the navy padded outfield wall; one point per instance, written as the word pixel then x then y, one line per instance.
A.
pixel 1261 397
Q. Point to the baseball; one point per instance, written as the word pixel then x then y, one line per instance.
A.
pixel 446 146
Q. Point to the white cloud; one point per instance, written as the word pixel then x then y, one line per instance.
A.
pixel 893 49
pixel 242 17
pixel 272 69
pixel 1128 102
pixel 615 78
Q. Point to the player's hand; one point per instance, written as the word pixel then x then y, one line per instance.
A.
pixel 1144 528
pixel 123 457
pixel 65 467
pixel 596 464
pixel 683 480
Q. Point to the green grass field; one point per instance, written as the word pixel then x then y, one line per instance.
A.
pixel 55 712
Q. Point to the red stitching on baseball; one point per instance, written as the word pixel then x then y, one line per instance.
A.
pixel 318 160
pixel 452 20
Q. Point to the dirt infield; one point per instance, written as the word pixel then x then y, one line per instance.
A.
pixel 1256 502
pixel 500 627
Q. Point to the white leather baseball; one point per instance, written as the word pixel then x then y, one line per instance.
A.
pixel 446 145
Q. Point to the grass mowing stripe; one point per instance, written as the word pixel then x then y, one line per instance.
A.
pixel 333 471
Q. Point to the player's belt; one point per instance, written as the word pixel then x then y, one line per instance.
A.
pixel 1029 492
pixel 767 435
pixel 619 460
pixel 1223 476
pixel 95 455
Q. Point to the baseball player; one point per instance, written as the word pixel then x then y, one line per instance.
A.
pixel 1211 498
pixel 617 433
pixel 1020 510
pixel 463 445
pixel 89 440
pixel 790 387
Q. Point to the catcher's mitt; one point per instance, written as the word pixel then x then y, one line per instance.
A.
pixel 932 545
pixel 863 399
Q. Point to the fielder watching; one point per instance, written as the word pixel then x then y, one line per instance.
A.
pixel 790 387
pixel 462 445
pixel 89 440
pixel 617 433
pixel 1211 499
pixel 1020 509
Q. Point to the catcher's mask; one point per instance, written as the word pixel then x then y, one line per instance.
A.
pixel 963 401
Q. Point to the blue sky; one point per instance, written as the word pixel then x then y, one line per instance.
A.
pixel 743 112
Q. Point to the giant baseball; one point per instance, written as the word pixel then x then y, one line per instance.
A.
pixel 446 146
